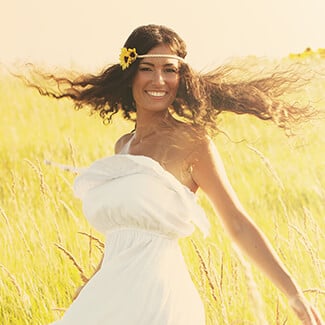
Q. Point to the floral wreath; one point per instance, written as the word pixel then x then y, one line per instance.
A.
pixel 129 55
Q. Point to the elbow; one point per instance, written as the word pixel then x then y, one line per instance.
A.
pixel 234 217
pixel 237 224
pixel 235 229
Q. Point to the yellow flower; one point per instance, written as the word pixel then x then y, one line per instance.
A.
pixel 127 57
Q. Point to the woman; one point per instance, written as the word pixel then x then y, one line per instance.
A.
pixel 143 197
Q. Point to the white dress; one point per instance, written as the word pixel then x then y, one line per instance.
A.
pixel 143 210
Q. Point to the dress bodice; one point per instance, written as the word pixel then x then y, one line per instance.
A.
pixel 133 191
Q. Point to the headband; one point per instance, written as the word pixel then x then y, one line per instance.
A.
pixel 128 56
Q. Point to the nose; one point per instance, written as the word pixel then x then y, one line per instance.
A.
pixel 158 78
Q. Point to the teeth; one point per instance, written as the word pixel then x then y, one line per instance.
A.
pixel 156 93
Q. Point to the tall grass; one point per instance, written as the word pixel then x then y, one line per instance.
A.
pixel 48 248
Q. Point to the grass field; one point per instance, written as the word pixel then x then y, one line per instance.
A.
pixel 47 245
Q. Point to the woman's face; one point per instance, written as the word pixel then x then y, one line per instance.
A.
pixel 155 84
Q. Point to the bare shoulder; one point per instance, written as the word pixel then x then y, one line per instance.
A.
pixel 200 143
pixel 120 143
pixel 205 157
pixel 192 142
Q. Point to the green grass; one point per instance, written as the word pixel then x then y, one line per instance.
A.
pixel 280 181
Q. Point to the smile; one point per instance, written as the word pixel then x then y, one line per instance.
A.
pixel 157 93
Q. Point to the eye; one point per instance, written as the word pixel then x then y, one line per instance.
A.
pixel 171 70
pixel 144 68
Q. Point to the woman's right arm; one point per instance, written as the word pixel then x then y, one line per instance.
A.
pixel 121 142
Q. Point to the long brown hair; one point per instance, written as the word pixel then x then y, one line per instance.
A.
pixel 201 97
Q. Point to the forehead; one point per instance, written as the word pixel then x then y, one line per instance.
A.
pixel 158 61
pixel 164 50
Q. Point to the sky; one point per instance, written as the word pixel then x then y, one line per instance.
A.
pixel 90 34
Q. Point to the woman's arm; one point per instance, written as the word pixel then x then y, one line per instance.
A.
pixel 209 174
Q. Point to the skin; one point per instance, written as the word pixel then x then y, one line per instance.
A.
pixel 194 160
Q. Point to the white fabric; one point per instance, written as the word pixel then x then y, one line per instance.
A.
pixel 143 210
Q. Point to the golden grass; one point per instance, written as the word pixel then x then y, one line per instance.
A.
pixel 49 249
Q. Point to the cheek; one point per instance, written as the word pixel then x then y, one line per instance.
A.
pixel 173 82
pixel 135 95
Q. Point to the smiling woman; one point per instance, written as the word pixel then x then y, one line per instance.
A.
pixel 155 85
pixel 143 197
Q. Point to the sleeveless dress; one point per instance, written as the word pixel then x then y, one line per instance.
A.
pixel 143 210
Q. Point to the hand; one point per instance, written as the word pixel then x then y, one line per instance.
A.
pixel 305 312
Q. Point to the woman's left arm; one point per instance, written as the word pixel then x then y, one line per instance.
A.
pixel 209 174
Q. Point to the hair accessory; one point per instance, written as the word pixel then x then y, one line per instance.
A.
pixel 128 56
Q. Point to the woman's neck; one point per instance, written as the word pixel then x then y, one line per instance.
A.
pixel 150 123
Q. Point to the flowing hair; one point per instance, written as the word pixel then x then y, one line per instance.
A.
pixel 234 87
